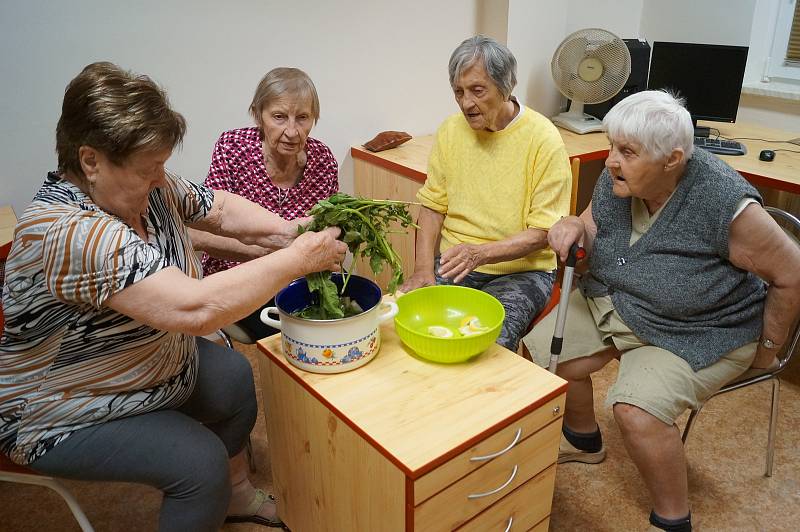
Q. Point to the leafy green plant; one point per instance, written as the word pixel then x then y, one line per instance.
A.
pixel 365 225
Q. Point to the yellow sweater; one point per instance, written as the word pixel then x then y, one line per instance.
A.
pixel 493 185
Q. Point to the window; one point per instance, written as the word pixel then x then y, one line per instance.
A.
pixel 785 56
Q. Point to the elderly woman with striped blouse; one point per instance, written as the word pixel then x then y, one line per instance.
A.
pixel 102 373
pixel 276 164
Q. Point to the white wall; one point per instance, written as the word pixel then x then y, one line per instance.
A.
pixel 377 65
pixel 698 21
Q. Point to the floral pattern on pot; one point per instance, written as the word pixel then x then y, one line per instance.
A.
pixel 322 355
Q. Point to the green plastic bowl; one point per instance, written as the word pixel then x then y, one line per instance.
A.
pixel 447 306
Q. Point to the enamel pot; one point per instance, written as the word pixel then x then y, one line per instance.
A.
pixel 330 346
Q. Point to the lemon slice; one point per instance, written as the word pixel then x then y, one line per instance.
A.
pixel 466 331
pixel 471 325
pixel 439 331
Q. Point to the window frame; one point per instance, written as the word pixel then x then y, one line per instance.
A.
pixel 778 67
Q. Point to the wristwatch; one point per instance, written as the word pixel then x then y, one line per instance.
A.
pixel 768 344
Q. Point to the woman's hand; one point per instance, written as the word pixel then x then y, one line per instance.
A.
pixel 320 251
pixel 564 233
pixel 456 262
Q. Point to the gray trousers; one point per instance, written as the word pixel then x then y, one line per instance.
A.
pixel 183 452
pixel 523 296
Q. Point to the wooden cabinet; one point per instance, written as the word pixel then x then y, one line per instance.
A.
pixel 403 444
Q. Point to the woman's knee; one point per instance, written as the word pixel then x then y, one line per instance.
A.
pixel 633 420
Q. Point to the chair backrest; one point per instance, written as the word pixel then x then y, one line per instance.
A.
pixel 575 166
pixel 791 225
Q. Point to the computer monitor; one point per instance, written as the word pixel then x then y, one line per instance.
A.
pixel 708 76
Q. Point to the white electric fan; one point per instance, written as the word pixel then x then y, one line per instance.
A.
pixel 589 66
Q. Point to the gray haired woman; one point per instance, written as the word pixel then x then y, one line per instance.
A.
pixel 498 179
pixel 690 283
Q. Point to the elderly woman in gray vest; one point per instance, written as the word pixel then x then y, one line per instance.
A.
pixel 690 283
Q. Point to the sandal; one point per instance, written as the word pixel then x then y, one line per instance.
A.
pixel 252 517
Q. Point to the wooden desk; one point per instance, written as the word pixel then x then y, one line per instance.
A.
pixel 8 220
pixel 388 446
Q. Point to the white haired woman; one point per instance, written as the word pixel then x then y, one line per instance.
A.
pixel 498 179
pixel 102 373
pixel 690 283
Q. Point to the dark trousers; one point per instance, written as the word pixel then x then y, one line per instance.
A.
pixel 183 452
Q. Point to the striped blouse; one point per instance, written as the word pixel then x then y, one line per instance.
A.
pixel 67 362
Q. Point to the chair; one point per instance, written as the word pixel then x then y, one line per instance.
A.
pixel 754 376
pixel 11 472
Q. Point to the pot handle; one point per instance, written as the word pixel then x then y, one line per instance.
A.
pixel 269 321
pixel 391 313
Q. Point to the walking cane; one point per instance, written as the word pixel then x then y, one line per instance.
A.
pixel 576 253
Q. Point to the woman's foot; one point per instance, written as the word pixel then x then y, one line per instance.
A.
pixel 252 506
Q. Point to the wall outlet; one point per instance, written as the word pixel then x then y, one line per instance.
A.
pixel 795 141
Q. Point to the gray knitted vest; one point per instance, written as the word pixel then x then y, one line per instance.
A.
pixel 674 287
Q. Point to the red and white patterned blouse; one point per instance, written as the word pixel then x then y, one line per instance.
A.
pixel 237 165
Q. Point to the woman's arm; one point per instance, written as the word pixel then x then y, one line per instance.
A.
pixel 172 301
pixel 430 227
pixel 223 247
pixel 758 244
pixel 249 223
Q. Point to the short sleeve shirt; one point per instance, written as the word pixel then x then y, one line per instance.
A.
pixel 237 165
pixel 67 361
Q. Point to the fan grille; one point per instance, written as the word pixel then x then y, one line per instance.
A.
pixel 591 65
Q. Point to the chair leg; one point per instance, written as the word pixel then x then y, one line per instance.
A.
pixel 773 421
pixel 689 423
pixel 251 460
pixel 56 486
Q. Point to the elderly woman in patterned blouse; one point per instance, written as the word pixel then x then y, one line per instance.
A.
pixel 275 164
pixel 102 373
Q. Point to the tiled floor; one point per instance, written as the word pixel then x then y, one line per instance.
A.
pixel 725 454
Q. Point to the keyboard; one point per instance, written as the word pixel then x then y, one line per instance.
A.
pixel 720 146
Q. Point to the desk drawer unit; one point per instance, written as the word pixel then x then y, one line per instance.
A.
pixel 459 502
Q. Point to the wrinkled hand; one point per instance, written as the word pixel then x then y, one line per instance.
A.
pixel 459 260
pixel 417 280
pixel 320 251
pixel 563 234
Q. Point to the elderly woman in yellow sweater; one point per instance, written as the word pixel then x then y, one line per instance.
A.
pixel 498 179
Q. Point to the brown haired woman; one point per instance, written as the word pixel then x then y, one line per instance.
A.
pixel 102 376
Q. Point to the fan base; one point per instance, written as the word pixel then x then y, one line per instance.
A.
pixel 586 124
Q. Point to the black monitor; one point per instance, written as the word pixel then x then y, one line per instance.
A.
pixel 708 76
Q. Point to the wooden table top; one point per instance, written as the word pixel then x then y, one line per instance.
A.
pixel 414 411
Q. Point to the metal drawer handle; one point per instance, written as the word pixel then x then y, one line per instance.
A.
pixel 501 488
pixel 510 522
pixel 498 453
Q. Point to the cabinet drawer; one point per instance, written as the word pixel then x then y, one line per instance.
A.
pixel 468 461
pixel 521 509
pixel 459 502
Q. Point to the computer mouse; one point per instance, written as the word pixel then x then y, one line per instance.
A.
pixel 766 155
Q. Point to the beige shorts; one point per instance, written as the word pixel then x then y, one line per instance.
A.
pixel 649 377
